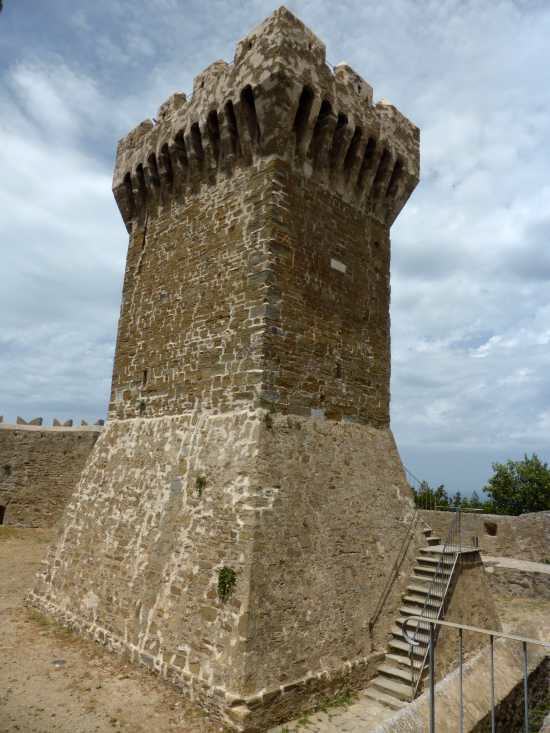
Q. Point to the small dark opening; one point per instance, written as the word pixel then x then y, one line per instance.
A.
pixel 6 470
pixel 382 170
pixel 232 127
pixel 141 181
pixel 142 408
pixel 129 193
pixel 153 169
pixel 180 149
pixel 320 128
pixel 196 140
pixel 491 528
pixel 302 115
pixel 338 138
pixel 367 161
pixel 2 513
pixel 213 127
pixel 250 115
pixel 144 380
pixel 352 151
pixel 395 178
pixel 166 164
pixel 338 371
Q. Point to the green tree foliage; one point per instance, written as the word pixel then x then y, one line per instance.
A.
pixel 517 487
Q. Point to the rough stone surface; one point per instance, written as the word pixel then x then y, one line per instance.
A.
pixel 471 603
pixel 248 436
pixel 512 578
pixel 526 537
pixel 39 468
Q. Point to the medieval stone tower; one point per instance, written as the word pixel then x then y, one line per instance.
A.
pixel 238 517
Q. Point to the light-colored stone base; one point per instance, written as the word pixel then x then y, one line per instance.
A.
pixel 308 513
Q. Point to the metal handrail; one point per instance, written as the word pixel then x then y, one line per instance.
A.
pixel 437 589
pixel 435 623
pixel 395 569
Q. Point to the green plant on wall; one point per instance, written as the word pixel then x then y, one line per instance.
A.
pixel 227 579
pixel 200 483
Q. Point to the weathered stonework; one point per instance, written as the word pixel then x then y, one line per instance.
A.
pixel 39 468
pixel 526 537
pixel 248 434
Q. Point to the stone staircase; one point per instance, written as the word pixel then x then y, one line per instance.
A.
pixel 393 685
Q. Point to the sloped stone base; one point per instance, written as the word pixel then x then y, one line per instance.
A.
pixel 307 514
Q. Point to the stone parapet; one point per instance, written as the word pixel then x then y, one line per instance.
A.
pixel 279 98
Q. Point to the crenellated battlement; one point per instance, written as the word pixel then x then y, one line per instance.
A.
pixel 38 423
pixel 279 98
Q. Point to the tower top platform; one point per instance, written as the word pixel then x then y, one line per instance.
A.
pixel 279 98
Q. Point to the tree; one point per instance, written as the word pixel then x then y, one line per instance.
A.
pixel 517 487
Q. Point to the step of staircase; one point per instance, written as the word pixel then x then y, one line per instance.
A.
pixel 381 697
pixel 394 670
pixel 405 660
pixel 428 559
pixel 402 646
pixel 397 630
pixel 427 569
pixel 422 598
pixel 433 540
pixel 392 687
pixel 418 588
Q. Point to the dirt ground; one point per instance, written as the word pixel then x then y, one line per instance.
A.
pixel 52 681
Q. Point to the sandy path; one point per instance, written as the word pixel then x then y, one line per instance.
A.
pixel 87 690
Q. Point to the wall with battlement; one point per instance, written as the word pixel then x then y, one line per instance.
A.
pixel 526 537
pixel 39 468
pixel 259 214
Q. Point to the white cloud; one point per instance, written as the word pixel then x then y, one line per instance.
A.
pixel 471 262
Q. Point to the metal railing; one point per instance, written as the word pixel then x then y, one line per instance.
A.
pixel 395 569
pixel 434 603
pixel 434 624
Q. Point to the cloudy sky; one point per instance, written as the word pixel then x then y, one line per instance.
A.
pixel 471 250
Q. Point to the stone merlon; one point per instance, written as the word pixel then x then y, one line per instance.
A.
pixel 280 99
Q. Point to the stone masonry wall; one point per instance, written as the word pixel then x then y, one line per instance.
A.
pixel 526 537
pixel 39 468
pixel 248 434
pixel 308 530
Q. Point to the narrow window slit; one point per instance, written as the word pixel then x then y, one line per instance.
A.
pixel 232 127
pixel 166 164
pixel 213 127
pixel 352 151
pixel 302 115
pixel 196 141
pixel 319 129
pixel 250 115
pixel 129 194
pixel 395 178
pixel 367 162
pixel 144 379
pixel 382 170
pixel 180 149
pixel 338 138
pixel 153 169
pixel 141 181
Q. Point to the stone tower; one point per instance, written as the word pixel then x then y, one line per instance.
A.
pixel 236 521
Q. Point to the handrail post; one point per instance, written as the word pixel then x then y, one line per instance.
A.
pixel 525 689
pixel 493 723
pixel 432 678
pixel 461 679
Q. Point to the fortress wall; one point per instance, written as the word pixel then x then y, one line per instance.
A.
pixel 526 537
pixel 39 468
